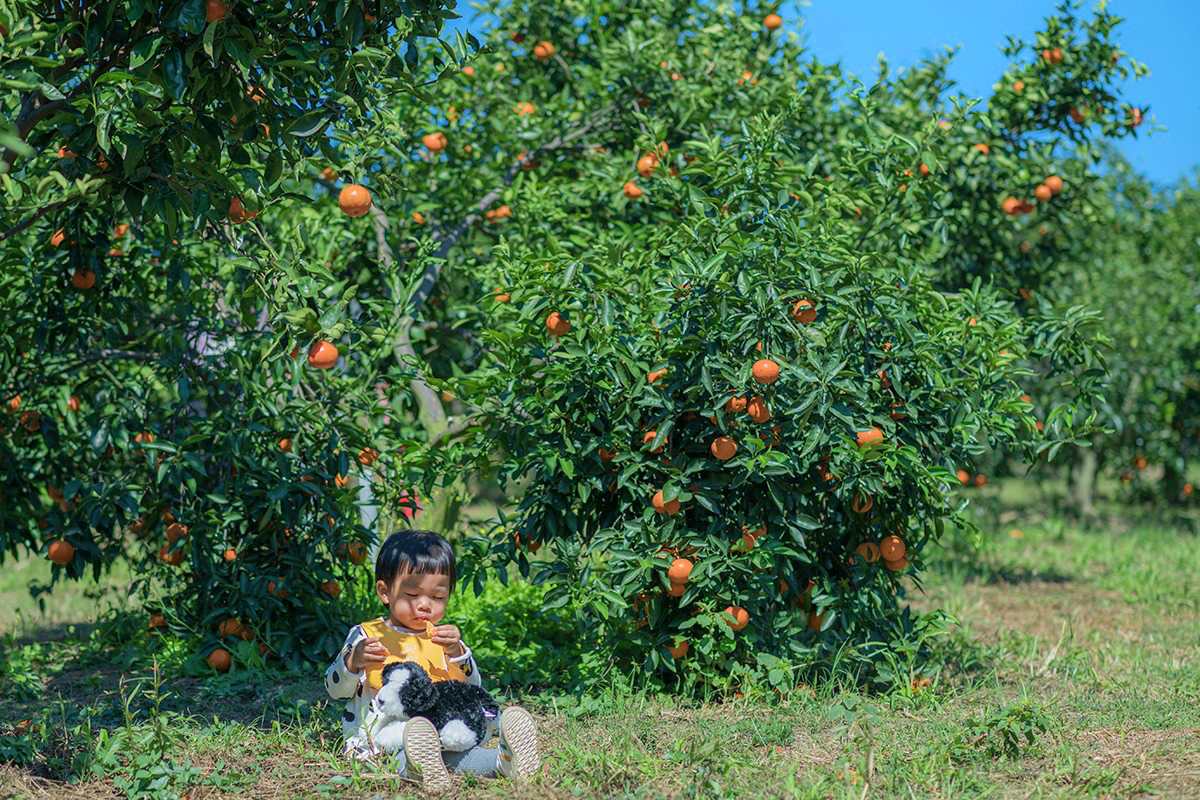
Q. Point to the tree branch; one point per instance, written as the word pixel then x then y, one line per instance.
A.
pixel 32 218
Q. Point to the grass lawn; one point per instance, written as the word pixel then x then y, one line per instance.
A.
pixel 1076 674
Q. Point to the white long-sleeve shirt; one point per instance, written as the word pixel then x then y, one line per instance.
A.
pixel 342 684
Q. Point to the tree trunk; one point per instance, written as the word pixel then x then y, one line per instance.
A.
pixel 1083 484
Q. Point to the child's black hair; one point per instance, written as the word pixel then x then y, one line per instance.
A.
pixel 415 552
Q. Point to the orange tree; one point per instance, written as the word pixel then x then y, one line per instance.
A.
pixel 611 192
pixel 180 388
pixel 1142 274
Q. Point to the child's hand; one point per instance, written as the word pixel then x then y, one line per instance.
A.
pixel 449 637
pixel 368 651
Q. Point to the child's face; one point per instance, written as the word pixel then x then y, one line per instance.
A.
pixel 413 599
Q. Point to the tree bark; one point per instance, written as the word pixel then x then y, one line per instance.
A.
pixel 1083 483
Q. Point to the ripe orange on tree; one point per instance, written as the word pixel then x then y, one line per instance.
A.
pixel 556 325
pixel 772 22
pixel 61 552
pixel 679 651
pixel 434 142
pixel 1043 193
pixel 230 628
pixel 220 660
pixel 655 374
pixel 169 556
pixel 606 455
pixel 756 408
pixel 735 405
pixel 237 211
pixel 524 108
pixel 230 555
pixel 765 371
pixel 156 621
pixel 329 174
pixel 14 403
pixel 963 476
pixel 804 311
pixel 647 164
pixel 322 354
pixel 72 403
pixel 469 71
pixel 723 448
pixel 892 548
pixel 664 506
pixel 680 570
pixel 331 588
pixel 58 237
pixel 632 190
pixel 862 503
pixel 1054 183
pixel 146 437
pixel 83 279
pixel 869 551
pixel 176 531
pixel 736 617
pixel 215 11
pixel 543 50
pixel 285 445
pixel 981 480
pixel 354 200
pixel 500 212
pixel 871 436
pixel 356 552
pixel 649 436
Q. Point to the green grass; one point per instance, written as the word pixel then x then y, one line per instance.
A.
pixel 1073 671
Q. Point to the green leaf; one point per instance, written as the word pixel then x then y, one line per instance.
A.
pixel 173 73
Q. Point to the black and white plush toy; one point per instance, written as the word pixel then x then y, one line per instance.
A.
pixel 464 715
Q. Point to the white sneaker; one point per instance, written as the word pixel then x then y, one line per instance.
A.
pixel 518 755
pixel 423 750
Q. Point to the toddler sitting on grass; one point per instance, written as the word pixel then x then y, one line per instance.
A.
pixel 414 576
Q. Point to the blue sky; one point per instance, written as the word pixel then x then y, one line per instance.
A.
pixel 1164 34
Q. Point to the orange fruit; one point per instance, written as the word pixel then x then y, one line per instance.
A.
pixel 606 455
pixel 1054 184
pixel 1011 206
pixel 735 405
pixel 525 108
pixel 237 211
pixel 543 50
pixel 1018 86
pixel 765 371
pixel 1078 116
pixel 757 409
pixel 230 555
pixel 73 403
pixel 31 421
pixel 1043 193
pixel 736 617
pixel 219 659
pixel 862 503
pixel 647 164
pixel 14 403
pixel 1056 55
pixel 679 651
pixel 61 552
pixel 983 148
pixel 1135 117
pixel 58 237
pixel 230 628
pixel 356 552
pixel 120 230
pixel 83 279
pixel 331 588
pixel 367 456
pixel 434 142
pixel 899 565
pixel 981 480
pixel 322 354
pixel 1188 489
pixel 662 506
pixel 871 436
pixel 869 551
pixel 654 374
pixel 502 297
pixel 285 444
pixel 328 174
pixel 66 152
pixel 892 548
pixel 1139 462
pixel 648 437
pixel 750 537
pixel 169 556
pixel 469 71
pixel 772 22
pixel 632 190
pixel 964 477
pixel 723 448
pixel 215 11
pixel 176 531
pixel 146 437
pixel 500 212
pixel 679 571
pixel 156 621
pixel 556 325
pixel 924 170
pixel 804 311
pixel 354 200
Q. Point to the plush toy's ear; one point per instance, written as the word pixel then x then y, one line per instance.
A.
pixel 418 693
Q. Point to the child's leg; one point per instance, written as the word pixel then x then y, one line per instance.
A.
pixel 476 761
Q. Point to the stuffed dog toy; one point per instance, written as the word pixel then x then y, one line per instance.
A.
pixel 464 715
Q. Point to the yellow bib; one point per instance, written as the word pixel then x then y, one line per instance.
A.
pixel 416 648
